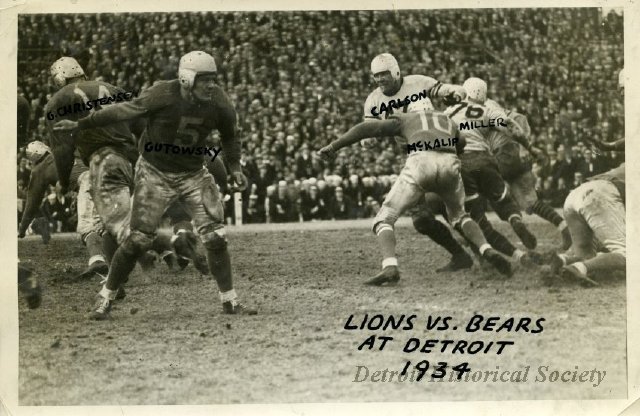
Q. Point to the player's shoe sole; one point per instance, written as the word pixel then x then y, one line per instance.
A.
pixel 572 274
pixel 523 233
pixel 458 262
pixel 389 276
pixel 230 308
pixel 498 261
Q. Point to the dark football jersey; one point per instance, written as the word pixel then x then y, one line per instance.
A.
pixel 78 100
pixel 175 123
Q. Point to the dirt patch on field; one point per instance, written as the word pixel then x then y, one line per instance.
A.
pixel 168 342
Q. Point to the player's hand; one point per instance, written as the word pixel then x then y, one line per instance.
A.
pixel 327 153
pixel 65 125
pixel 452 99
pixel 239 180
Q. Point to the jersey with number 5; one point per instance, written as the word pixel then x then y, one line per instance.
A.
pixel 70 103
pixel 175 121
pixel 466 115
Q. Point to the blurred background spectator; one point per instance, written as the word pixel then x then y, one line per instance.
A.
pixel 299 79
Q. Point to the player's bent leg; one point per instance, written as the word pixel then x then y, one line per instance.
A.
pixel 404 194
pixel 122 264
pixel 604 212
pixel 425 223
pixel 472 232
pixel 203 203
pixel 581 234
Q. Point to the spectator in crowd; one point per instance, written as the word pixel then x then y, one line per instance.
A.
pixel 293 94
pixel 314 206
pixel 281 206
pixel 342 207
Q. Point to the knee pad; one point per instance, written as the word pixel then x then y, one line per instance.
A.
pixel 215 240
pixel 386 215
pixel 137 242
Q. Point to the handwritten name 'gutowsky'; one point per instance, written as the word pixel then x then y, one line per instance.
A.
pixel 189 150
pixel 398 103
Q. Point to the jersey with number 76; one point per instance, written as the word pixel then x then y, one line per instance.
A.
pixel 173 122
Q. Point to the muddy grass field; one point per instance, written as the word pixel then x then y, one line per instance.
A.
pixel 168 342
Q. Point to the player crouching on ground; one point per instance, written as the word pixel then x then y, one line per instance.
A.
pixel 182 112
pixel 595 211
pixel 436 171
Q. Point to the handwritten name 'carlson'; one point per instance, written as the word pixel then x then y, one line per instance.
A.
pixel 398 103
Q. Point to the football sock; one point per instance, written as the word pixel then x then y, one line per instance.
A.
pixel 94 246
pixel 606 261
pixel 121 266
pixel 219 263
pixel 387 240
pixel 472 232
pixel 545 211
pixel 438 232
pixel 497 240
pixel 109 246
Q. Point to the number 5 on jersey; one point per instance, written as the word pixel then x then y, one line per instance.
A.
pixel 188 134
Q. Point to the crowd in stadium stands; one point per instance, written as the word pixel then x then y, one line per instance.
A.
pixel 299 79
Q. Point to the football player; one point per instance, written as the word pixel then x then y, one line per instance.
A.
pixel 394 94
pixel 595 213
pixel 436 169
pixel 28 283
pixel 180 115
pixel 480 170
pixel 89 226
pixel 514 163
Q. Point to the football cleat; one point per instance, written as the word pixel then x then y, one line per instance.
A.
pixel 236 308
pixel 182 263
pixel 500 263
pixel 389 275
pixel 459 261
pixel 528 239
pixel 101 309
pixel 29 287
pixel 185 246
pixel 97 267
pixel 572 274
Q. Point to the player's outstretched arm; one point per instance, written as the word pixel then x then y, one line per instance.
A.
pixel 618 145
pixel 366 129
pixel 451 93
